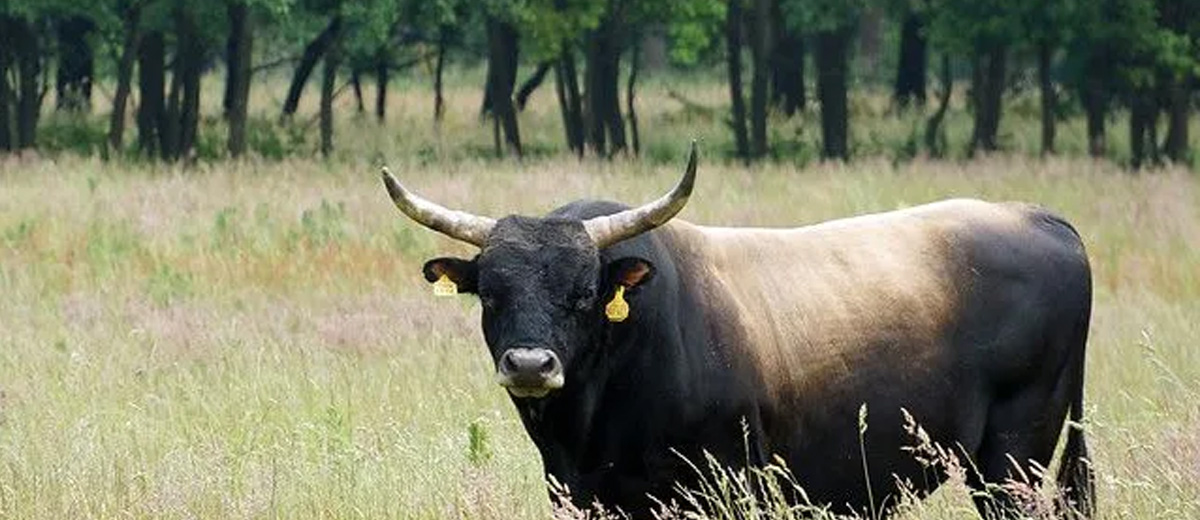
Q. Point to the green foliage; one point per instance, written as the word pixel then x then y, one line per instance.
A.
pixel 168 284
pixel 812 16
pixel 693 26
pixel 322 225
pixel 479 450
pixel 80 134
pixel 963 26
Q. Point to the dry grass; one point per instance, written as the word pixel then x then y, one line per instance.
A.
pixel 253 339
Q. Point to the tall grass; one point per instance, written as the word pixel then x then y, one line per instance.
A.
pixel 253 339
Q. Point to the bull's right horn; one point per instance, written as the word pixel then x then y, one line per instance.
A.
pixel 610 229
pixel 472 229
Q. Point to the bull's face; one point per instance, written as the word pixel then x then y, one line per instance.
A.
pixel 543 291
pixel 540 280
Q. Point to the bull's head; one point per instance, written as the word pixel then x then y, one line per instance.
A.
pixel 540 280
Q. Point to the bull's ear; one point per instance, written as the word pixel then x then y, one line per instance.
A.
pixel 630 271
pixel 464 273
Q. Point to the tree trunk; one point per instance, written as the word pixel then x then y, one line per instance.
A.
pixel 151 78
pixel 832 77
pixel 1095 105
pixel 787 66
pixel 733 56
pixel 911 72
pixel 564 109
pixel 356 86
pixel 312 53
pixel 116 129
pixel 168 131
pixel 1178 113
pixel 76 65
pixel 381 85
pixel 439 101
pixel 1049 101
pixel 27 47
pixel 189 65
pixel 760 47
pixel 502 75
pixel 6 92
pixel 870 41
pixel 934 141
pixel 532 83
pixel 1177 90
pixel 328 82
pixel 238 61
pixel 1141 119
pixel 607 126
pixel 988 91
pixel 570 100
pixel 630 111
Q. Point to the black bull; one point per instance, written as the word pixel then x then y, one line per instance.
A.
pixel 754 343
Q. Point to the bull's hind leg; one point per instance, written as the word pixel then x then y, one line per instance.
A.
pixel 1021 434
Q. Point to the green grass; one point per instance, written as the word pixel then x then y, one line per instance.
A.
pixel 253 339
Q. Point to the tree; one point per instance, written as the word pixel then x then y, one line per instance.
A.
pixel 151 114
pixel 733 53
pixel 602 106
pixel 761 43
pixel 985 30
pixel 934 138
pixel 25 40
pixel 912 66
pixel 787 65
pixel 6 93
pixel 313 51
pixel 833 23
pixel 1045 24
pixel 1091 64
pixel 130 13
pixel 1180 68
pixel 76 63
pixel 238 51
pixel 501 77
pixel 328 81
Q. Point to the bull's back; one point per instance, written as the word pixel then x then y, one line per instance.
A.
pixel 817 306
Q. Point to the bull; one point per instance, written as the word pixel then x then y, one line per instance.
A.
pixel 631 342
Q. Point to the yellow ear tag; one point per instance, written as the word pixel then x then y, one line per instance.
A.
pixel 617 309
pixel 444 287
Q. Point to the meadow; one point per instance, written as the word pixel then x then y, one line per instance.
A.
pixel 253 339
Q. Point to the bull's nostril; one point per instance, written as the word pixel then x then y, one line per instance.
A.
pixel 507 365
pixel 547 365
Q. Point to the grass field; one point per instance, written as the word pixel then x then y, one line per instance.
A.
pixel 253 339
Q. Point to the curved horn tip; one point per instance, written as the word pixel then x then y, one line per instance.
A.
pixel 394 189
pixel 689 173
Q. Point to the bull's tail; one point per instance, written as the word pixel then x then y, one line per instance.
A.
pixel 1076 479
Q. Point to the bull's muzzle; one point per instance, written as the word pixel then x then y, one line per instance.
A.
pixel 530 372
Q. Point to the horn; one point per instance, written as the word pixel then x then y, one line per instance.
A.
pixel 459 225
pixel 610 229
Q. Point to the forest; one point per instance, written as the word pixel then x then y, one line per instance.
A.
pixel 1123 66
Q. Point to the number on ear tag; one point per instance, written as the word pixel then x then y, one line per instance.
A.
pixel 444 287
pixel 617 309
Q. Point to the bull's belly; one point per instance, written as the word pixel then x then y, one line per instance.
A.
pixel 825 440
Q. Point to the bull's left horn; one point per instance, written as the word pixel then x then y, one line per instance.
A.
pixel 610 229
pixel 472 229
